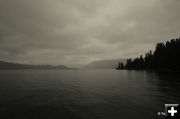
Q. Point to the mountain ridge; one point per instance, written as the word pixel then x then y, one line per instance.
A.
pixel 11 65
pixel 104 64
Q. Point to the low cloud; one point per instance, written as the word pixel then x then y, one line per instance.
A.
pixel 76 32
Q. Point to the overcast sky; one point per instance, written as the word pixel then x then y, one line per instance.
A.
pixel 76 32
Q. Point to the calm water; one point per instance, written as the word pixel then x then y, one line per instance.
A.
pixel 85 94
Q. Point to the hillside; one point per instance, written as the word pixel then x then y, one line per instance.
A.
pixel 9 65
pixel 104 64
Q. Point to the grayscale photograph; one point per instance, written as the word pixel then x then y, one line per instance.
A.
pixel 89 59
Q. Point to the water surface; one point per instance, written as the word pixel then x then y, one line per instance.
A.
pixel 85 94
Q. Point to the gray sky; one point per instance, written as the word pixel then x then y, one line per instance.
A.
pixel 75 32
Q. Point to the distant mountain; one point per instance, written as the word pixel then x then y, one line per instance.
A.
pixel 8 65
pixel 104 64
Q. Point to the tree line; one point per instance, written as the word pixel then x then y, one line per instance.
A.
pixel 165 57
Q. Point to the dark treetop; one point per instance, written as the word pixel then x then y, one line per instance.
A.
pixel 166 57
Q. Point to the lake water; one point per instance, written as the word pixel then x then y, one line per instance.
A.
pixel 86 94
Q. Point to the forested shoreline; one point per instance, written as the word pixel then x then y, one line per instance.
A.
pixel 166 57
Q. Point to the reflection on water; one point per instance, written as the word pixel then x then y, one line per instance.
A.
pixel 85 94
pixel 169 86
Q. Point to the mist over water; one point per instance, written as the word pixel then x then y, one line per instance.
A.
pixel 85 94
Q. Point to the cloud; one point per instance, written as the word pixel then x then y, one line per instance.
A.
pixel 76 32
